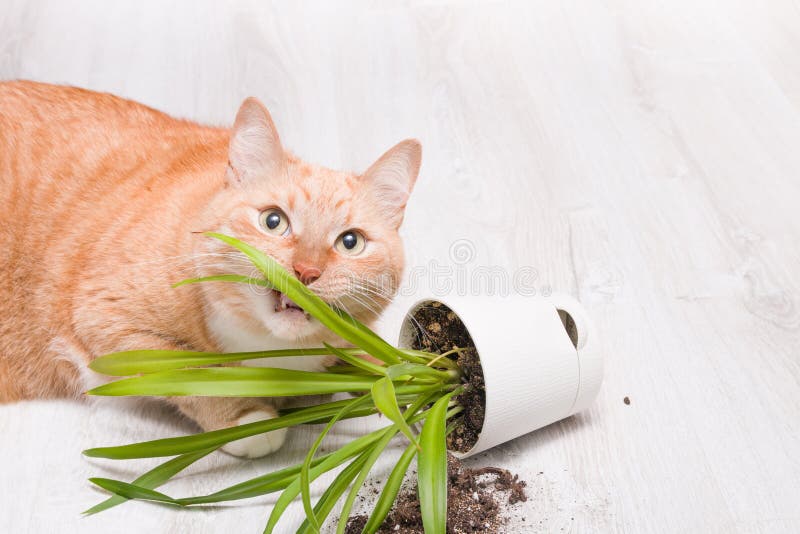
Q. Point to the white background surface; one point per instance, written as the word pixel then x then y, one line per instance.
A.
pixel 642 156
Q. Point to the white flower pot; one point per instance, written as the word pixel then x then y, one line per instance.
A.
pixel 535 372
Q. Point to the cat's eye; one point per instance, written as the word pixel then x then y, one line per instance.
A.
pixel 351 242
pixel 274 221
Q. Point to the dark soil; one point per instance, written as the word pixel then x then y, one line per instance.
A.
pixel 438 329
pixel 475 502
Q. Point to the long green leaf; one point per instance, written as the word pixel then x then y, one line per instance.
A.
pixel 384 397
pixel 154 478
pixel 333 461
pixel 327 408
pixel 270 482
pixel 131 491
pixel 254 487
pixel 262 485
pixel 390 490
pixel 134 362
pixel 215 438
pixel 288 476
pixel 237 278
pixel 275 481
pixel 350 330
pixel 418 371
pixel 421 387
pixel 432 469
pixel 355 361
pixel 377 450
pixel 346 368
pixel 305 478
pixel 333 493
pixel 282 479
pixel 235 382
pixel 403 354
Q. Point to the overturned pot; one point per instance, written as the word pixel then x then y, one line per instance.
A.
pixel 538 357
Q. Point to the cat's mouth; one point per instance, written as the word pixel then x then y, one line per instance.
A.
pixel 284 304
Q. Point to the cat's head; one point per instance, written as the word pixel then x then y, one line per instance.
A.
pixel 337 231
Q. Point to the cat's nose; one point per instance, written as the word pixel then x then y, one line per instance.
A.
pixel 306 273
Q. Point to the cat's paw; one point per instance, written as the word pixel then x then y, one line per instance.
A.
pixel 260 445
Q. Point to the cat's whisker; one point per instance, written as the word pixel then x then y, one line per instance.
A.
pixel 376 299
pixel 364 304
pixel 368 302
pixel 419 328
pixel 378 291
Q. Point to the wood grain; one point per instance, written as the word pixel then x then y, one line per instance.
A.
pixel 641 155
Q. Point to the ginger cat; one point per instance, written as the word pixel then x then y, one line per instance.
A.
pixel 102 203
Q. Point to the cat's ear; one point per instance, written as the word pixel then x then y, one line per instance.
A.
pixel 392 178
pixel 255 150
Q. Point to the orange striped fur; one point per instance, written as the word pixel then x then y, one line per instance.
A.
pixel 103 201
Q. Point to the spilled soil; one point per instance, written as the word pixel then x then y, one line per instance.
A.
pixel 477 501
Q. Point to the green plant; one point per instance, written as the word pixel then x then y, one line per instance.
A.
pixel 409 387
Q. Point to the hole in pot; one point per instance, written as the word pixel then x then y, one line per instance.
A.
pixel 435 328
pixel 569 326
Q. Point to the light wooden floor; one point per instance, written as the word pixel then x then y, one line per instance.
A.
pixel 644 156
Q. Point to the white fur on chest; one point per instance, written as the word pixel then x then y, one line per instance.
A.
pixel 234 338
